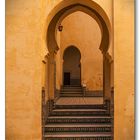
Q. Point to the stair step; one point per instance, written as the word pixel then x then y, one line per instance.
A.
pixel 71 95
pixel 71 86
pixel 78 125
pixel 79 119
pixel 71 92
pixel 77 128
pixel 78 112
pixel 82 106
pixel 71 89
pixel 79 136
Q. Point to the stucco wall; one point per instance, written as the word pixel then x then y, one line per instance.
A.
pixel 82 31
pixel 58 65
pixel 23 70
pixel 124 69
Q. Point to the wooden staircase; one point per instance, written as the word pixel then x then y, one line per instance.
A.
pixel 78 122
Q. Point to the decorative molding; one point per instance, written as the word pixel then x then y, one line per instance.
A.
pixel 60 28
pixel 108 57
pixel 44 61
pixel 47 55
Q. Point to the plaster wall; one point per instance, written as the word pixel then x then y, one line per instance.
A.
pixel 58 71
pixel 58 65
pixel 24 69
pixel 82 31
pixel 124 69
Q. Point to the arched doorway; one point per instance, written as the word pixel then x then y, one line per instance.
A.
pixel 97 13
pixel 57 15
pixel 71 66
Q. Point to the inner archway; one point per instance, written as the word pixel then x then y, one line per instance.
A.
pixel 71 66
pixel 57 15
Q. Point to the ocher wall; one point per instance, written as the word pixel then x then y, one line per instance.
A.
pixel 124 69
pixel 82 31
pixel 58 65
pixel 24 69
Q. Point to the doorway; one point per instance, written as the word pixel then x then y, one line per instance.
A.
pixel 71 66
pixel 66 78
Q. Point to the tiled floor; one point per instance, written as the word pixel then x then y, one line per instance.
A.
pixel 79 100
